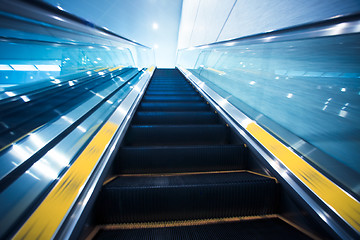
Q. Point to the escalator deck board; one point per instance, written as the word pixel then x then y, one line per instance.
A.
pixel 268 228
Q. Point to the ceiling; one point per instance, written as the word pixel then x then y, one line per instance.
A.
pixel 154 23
pixel 167 25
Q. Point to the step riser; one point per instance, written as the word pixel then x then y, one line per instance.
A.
pixel 165 201
pixel 169 93
pixel 172 98
pixel 170 136
pixel 142 118
pixel 177 159
pixel 147 106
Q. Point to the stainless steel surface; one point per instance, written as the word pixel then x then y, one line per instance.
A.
pixel 327 28
pixel 28 187
pixel 121 117
pixel 240 121
pixel 70 25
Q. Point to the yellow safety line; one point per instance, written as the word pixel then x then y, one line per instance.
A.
pixel 340 201
pixel 217 71
pixel 151 69
pixel 119 67
pixel 43 223
pixel 100 69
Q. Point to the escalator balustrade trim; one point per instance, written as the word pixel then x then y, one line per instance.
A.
pixel 330 193
pixel 339 200
pixel 44 222
pixel 50 214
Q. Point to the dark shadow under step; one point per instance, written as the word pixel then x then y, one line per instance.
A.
pixel 192 98
pixel 174 106
pixel 170 135
pixel 181 159
pixel 147 118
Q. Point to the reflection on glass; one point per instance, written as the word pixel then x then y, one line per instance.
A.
pixel 309 88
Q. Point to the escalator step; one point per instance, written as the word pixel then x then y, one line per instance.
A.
pixel 181 159
pixel 172 98
pixel 174 106
pixel 167 135
pixel 186 196
pixel 267 228
pixel 190 92
pixel 147 118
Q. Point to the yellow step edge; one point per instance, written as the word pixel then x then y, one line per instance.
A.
pixel 183 223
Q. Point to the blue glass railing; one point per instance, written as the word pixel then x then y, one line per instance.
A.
pixel 62 80
pixel 301 84
pixel 44 45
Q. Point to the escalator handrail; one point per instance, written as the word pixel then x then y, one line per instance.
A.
pixel 338 25
pixel 340 218
pixel 57 18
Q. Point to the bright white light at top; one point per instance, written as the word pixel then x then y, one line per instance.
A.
pixel 155 26
pixel 156 46
pixel 60 8
pixel 50 68
pixel 343 89
pixel 99 59
pixel 25 98
pixel 290 95
pixel 252 82
pixel 5 67
pixel 338 29
pixel 20 67
pixel 10 94
pixel 58 18
pixel 230 43
pixel 56 81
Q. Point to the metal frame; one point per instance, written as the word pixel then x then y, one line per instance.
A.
pixel 42 15
pixel 239 121
pixel 122 117
pixel 338 25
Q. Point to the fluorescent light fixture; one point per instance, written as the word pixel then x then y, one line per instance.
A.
pixel 5 67
pixel 48 68
pixel 20 67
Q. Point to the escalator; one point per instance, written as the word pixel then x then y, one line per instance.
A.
pixel 183 173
